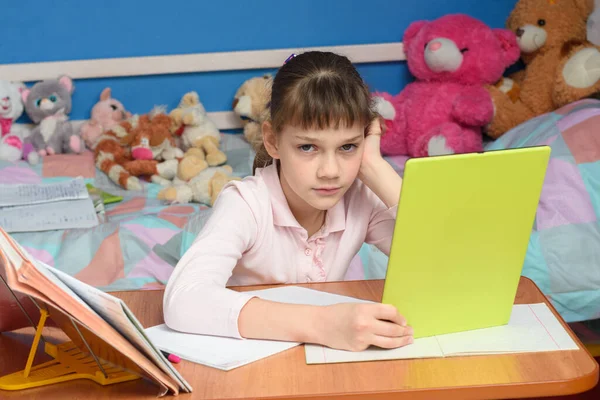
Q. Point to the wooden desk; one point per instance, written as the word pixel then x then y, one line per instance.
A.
pixel 286 375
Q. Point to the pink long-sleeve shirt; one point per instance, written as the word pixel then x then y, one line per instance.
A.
pixel 252 238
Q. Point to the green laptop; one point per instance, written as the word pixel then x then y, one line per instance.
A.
pixel 461 236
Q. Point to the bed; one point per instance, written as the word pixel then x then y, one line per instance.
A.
pixel 563 256
pixel 143 238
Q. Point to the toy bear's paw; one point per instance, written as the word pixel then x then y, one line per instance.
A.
pixel 75 144
pixel 509 87
pixel 216 158
pixel 169 194
pixel 179 194
pixel 167 169
pixel 473 107
pixel 218 181
pixel 582 70
pixel 133 183
pixel 9 153
pixel 188 119
pixel 190 166
pixel 437 146
pixel 50 151
pixel 33 158
pixel 505 85
pixel 172 153
pixel 384 108
pixel 160 180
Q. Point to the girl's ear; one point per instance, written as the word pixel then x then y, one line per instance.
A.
pixel 270 140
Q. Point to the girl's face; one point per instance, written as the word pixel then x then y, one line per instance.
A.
pixel 317 167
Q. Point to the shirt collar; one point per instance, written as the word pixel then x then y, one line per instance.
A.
pixel 335 219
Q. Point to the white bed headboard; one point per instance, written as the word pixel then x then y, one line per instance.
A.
pixel 192 63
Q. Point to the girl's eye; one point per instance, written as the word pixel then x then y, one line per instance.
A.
pixel 306 147
pixel 348 147
pixel 52 98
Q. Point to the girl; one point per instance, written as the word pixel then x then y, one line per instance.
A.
pixel 320 190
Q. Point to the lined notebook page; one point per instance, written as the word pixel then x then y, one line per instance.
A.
pixel 67 214
pixel 25 194
pixel 532 328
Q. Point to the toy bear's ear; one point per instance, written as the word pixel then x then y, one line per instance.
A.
pixel 105 95
pixel 509 44
pixel 24 94
pixel 585 7
pixel 66 82
pixel 412 31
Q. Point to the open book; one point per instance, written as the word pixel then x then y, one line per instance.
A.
pixel 110 329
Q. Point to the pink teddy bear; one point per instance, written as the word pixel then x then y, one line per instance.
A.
pixel 107 113
pixel 443 112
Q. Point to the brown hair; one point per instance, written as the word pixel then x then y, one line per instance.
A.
pixel 316 90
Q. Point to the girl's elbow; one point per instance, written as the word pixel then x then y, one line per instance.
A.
pixel 171 312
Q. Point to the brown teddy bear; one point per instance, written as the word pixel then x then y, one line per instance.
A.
pixel 251 104
pixel 561 65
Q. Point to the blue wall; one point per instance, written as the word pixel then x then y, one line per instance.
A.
pixel 73 30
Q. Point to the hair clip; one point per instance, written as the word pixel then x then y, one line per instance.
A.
pixel 289 58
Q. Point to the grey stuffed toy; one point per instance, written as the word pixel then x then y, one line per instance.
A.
pixel 48 104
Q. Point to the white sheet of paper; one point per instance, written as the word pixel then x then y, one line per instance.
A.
pixel 532 328
pixel 217 352
pixel 67 214
pixel 421 348
pixel 38 193
pixel 228 353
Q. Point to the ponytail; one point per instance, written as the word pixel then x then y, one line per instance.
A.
pixel 262 158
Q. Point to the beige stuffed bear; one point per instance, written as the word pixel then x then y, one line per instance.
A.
pixel 561 65
pixel 251 104
pixel 195 129
pixel 204 187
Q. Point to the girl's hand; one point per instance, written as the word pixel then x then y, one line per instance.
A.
pixel 375 171
pixel 372 152
pixel 356 326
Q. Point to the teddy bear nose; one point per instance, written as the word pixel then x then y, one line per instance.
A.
pixel 520 32
pixel 434 46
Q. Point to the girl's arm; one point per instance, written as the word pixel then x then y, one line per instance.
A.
pixel 346 326
pixel 384 185
pixel 377 173
pixel 197 301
